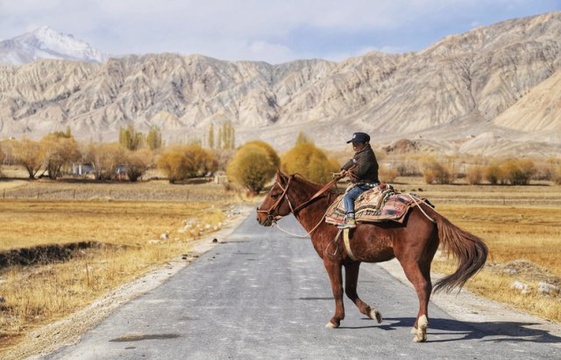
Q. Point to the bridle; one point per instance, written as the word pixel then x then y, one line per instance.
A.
pixel 272 213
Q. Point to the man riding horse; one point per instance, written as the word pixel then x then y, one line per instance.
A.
pixel 362 170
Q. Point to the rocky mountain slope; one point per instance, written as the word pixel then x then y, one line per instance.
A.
pixel 493 90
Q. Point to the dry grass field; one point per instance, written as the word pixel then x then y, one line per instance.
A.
pixel 127 229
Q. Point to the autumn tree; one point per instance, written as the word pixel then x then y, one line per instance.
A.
pixel 253 165
pixel 59 149
pixel 210 138
pixel 493 174
pixel 518 171
pixel 137 163
pixel 435 172
pixel 105 158
pixel 557 175
pixel 185 162
pixel 475 175
pixel 309 161
pixel 154 139
pixel 227 136
pixel 130 139
pixel 302 139
pixel 28 153
pixel 271 153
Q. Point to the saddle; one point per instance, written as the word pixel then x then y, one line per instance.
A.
pixel 379 204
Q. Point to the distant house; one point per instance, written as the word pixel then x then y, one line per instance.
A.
pixel 82 169
pixel 121 172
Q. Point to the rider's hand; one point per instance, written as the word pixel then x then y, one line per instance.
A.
pixel 339 175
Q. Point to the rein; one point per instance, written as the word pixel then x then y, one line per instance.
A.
pixel 294 210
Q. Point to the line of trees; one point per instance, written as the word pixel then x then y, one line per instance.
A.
pixel 250 166
pixel 54 155
pixel 512 171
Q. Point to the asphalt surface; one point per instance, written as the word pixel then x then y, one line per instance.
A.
pixel 263 294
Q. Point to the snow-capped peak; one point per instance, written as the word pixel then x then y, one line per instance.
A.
pixel 46 43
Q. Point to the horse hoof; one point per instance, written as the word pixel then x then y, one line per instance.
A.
pixel 421 330
pixel 331 325
pixel 413 330
pixel 375 315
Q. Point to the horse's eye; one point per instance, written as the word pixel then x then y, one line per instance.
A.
pixel 274 196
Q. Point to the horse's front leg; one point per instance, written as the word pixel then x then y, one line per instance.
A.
pixel 351 280
pixel 335 276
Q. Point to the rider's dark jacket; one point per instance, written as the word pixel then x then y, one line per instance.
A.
pixel 363 167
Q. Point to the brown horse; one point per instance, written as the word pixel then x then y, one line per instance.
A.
pixel 414 243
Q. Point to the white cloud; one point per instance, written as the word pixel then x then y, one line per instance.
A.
pixel 269 30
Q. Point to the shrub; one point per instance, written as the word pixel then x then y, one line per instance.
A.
pixel 309 161
pixel 137 162
pixel 271 153
pixel 105 158
pixel 518 171
pixel 493 174
pixel 388 174
pixel 252 166
pixel 434 172
pixel 474 175
pixel 185 162
pixel 58 151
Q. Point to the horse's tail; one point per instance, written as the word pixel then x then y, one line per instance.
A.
pixel 469 250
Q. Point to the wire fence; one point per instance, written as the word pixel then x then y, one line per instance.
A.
pixel 118 192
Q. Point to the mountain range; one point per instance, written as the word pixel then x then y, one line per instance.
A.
pixel 494 90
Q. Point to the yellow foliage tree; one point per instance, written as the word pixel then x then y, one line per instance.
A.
pixel 137 162
pixel 29 154
pixel 435 172
pixel 253 165
pixel 271 153
pixel 185 162
pixel 105 159
pixel 59 150
pixel 309 161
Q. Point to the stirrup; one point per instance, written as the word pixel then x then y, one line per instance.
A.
pixel 348 224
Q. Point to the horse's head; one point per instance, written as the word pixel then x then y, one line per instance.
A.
pixel 276 204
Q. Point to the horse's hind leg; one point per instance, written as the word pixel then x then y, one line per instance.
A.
pixel 351 280
pixel 419 276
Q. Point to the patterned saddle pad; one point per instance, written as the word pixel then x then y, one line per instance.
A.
pixel 378 204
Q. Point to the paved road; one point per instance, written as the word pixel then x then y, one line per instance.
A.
pixel 262 294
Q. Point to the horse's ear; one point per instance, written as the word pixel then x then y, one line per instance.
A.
pixel 280 175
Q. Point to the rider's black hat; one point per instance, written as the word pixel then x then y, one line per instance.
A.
pixel 359 137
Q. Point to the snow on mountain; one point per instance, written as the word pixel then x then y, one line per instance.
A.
pixel 46 43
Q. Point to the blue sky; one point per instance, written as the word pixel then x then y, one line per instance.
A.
pixel 262 30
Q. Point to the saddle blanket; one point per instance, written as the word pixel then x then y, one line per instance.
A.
pixel 381 203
